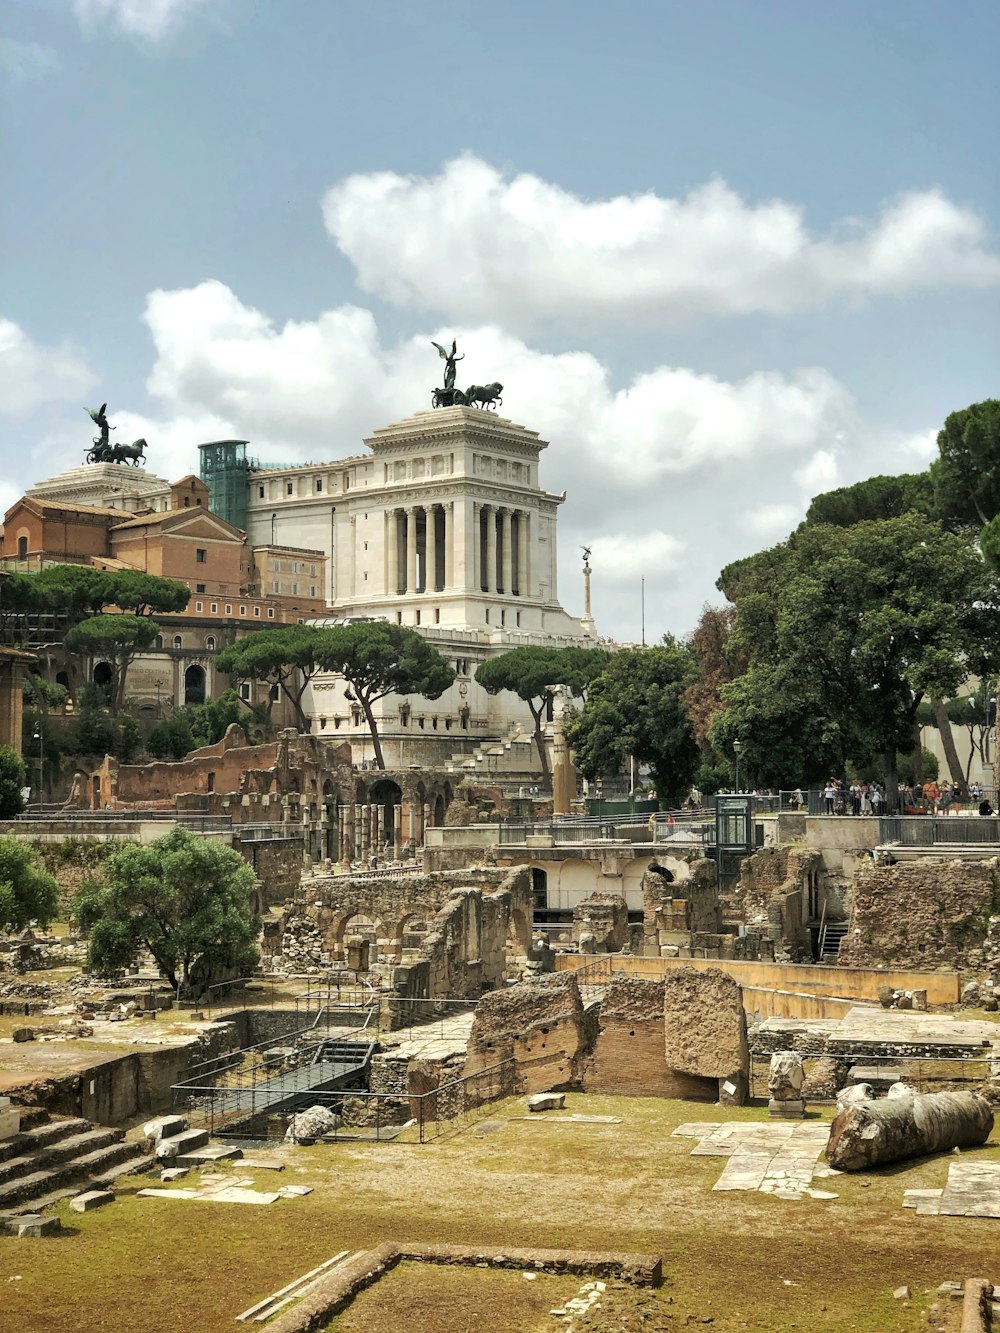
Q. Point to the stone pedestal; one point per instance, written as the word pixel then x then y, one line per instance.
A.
pixel 733 1091
pixel 358 952
pixel 786 1110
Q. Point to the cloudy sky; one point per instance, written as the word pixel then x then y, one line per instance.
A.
pixel 723 255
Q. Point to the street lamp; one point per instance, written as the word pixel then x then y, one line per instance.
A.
pixel 737 751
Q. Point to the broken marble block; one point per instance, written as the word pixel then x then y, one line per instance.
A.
pixel 547 1101
pixel 85 1203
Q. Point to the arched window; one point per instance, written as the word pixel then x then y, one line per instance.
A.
pixel 22 548
pixel 210 642
pixel 194 685
pixel 177 641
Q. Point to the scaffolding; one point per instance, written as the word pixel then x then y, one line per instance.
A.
pixel 225 468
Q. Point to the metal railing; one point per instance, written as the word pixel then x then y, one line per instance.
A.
pixel 196 823
pixel 931 830
pixel 386 1116
pixel 814 803
pixel 662 826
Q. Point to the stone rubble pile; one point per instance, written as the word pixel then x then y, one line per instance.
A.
pixel 302 949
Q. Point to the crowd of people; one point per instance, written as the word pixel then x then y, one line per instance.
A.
pixel 870 798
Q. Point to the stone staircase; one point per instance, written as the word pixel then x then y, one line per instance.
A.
pixel 51 1160
pixel 516 756
pixel 835 932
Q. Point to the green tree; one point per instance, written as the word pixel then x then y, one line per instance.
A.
pixel 287 656
pixel 81 591
pixel 533 673
pixel 119 639
pixel 13 780
pixel 27 891
pixel 711 644
pixel 376 659
pixel 847 630
pixel 173 738
pixel 188 900
pixel 634 707
pixel 873 499
pixel 966 473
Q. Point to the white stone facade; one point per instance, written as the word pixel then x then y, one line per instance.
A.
pixel 442 527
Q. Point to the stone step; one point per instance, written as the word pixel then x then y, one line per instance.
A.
pixel 40 1136
pixel 207 1155
pixel 186 1141
pixel 61 1150
pixel 137 1163
pixel 43 1182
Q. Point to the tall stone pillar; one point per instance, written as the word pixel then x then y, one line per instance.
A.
pixel 397 830
pixel 411 549
pixel 379 828
pixel 507 563
pixel 412 825
pixel 449 544
pixel 426 823
pixel 528 573
pixel 392 552
pixel 475 548
pixel 358 834
pixel 430 562
pixel 491 548
pixel 522 553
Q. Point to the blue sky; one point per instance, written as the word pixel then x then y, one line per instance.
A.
pixel 723 255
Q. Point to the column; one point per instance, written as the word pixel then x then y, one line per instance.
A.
pixel 397 830
pixel 449 544
pixel 431 548
pixel 507 562
pixel 522 553
pixel 491 547
pixel 411 549
pixel 477 573
pixel 358 840
pixel 392 553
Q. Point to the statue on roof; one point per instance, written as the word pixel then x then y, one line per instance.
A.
pixel 477 395
pixel 103 450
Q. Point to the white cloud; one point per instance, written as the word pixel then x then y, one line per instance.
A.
pixel 913 452
pixel 475 244
pixel 820 473
pixel 32 374
pixel 622 557
pixel 152 20
pixel 27 62
pixel 315 388
pixel 772 522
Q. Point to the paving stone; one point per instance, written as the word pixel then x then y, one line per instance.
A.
pixel 85 1203
pixel 32 1224
pixel 547 1101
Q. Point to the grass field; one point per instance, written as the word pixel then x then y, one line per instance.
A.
pixel 741 1261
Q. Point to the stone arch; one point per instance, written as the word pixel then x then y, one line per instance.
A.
pixel 578 879
pixel 437 817
pixel 194 684
pixel 104 675
pixel 632 875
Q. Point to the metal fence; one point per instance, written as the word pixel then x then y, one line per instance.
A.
pixel 412 1118
pixel 894 803
pixel 930 830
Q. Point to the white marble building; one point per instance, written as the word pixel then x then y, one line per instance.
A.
pixel 444 527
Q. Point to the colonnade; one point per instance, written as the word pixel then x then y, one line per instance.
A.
pixel 374 829
pixel 489 550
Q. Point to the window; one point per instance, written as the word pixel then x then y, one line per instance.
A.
pixel 319 483
pixel 518 619
pixel 288 488
pixel 211 781
pixel 199 587
pixel 245 691
pixel 270 613
pixel 276 586
pixel 487 615
pixel 243 610
pixel 157 643
pixel 256 612
pixel 295 566
pixel 229 608
pixel 312 570
pixel 418 618
pixel 177 641
pixel 215 608
pixel 275 565
pixel 312 590
pixel 260 492
pixel 503 617
pixel 22 548
pixel 437 615
pixel 210 642
pixel 199 606
pixel 399 617
pixel 295 590
pixel 200 554
pixel 187 502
